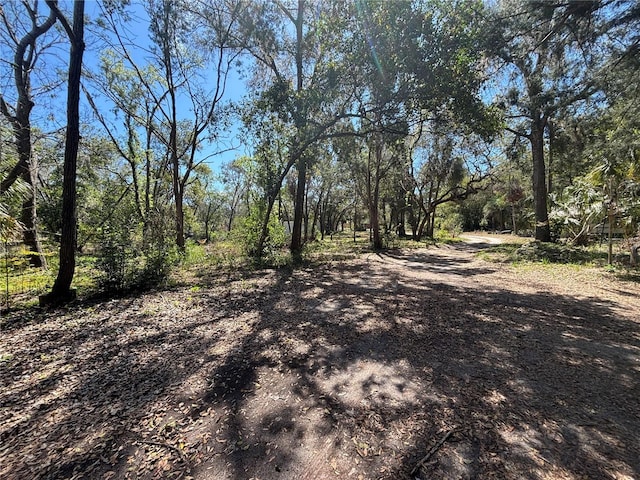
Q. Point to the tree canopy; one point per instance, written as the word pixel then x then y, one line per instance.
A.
pixel 279 122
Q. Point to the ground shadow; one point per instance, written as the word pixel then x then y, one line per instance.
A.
pixel 350 368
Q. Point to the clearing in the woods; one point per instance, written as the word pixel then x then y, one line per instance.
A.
pixel 428 363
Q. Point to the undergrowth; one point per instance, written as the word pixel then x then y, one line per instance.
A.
pixel 551 253
pixel 22 285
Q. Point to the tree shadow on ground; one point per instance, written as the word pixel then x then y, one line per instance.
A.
pixel 423 261
pixel 354 368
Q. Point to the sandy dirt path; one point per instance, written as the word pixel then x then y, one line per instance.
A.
pixel 412 364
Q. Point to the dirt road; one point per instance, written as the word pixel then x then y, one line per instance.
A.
pixel 481 239
pixel 414 364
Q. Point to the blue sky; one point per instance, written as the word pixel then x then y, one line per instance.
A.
pixel 49 75
pixel 235 88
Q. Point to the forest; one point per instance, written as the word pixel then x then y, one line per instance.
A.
pixel 319 239
pixel 134 132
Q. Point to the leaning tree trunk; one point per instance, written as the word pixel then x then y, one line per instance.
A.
pixel 264 231
pixel 301 120
pixel 543 231
pixel 178 192
pixel 61 291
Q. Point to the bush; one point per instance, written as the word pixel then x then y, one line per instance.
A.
pixel 250 229
pixel 158 259
pixel 130 258
pixel 554 253
pixel 159 251
pixel 115 259
pixel 452 224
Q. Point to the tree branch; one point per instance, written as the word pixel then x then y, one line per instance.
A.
pixel 518 133
pixel 53 6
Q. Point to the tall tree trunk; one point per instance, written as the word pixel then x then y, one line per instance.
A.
pixel 264 232
pixel 301 164
pixel 305 237
pixel 172 118
pixel 355 217
pixel 414 220
pixel 402 231
pixel 232 214
pixel 133 163
pixel 611 218
pixel 147 185
pixel 543 232
pixel 317 216
pixel 374 197
pixel 177 189
pixel 24 61
pixel 385 220
pixel 432 223
pixel 207 220
pixel 298 212
pixel 175 159
pixel 420 227
pixel 61 291
pixel 29 216
pixel 374 214
pixel 552 137
pixel 432 208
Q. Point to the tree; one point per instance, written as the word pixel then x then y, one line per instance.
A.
pixel 309 84
pixel 207 205
pixel 267 169
pixel 447 164
pixel 182 61
pixel 614 146
pixel 22 38
pixel 549 52
pixel 330 191
pixel 137 144
pixel 384 152
pixel 202 202
pixel 422 59
pixel 236 185
pixel 61 291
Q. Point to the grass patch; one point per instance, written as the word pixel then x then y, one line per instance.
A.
pixel 547 253
pixel 560 253
pixel 627 275
pixel 446 239
pixel 6 357
pixel 503 253
pixel 22 285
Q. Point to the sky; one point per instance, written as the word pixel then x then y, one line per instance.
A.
pixel 235 88
pixel 48 78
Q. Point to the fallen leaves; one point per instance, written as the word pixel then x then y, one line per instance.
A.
pixel 259 373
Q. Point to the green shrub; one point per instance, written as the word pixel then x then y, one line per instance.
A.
pixel 131 257
pixel 556 253
pixel 116 257
pixel 451 225
pixel 157 260
pixel 250 230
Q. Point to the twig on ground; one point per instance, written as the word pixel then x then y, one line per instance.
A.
pixel 166 445
pixel 433 450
